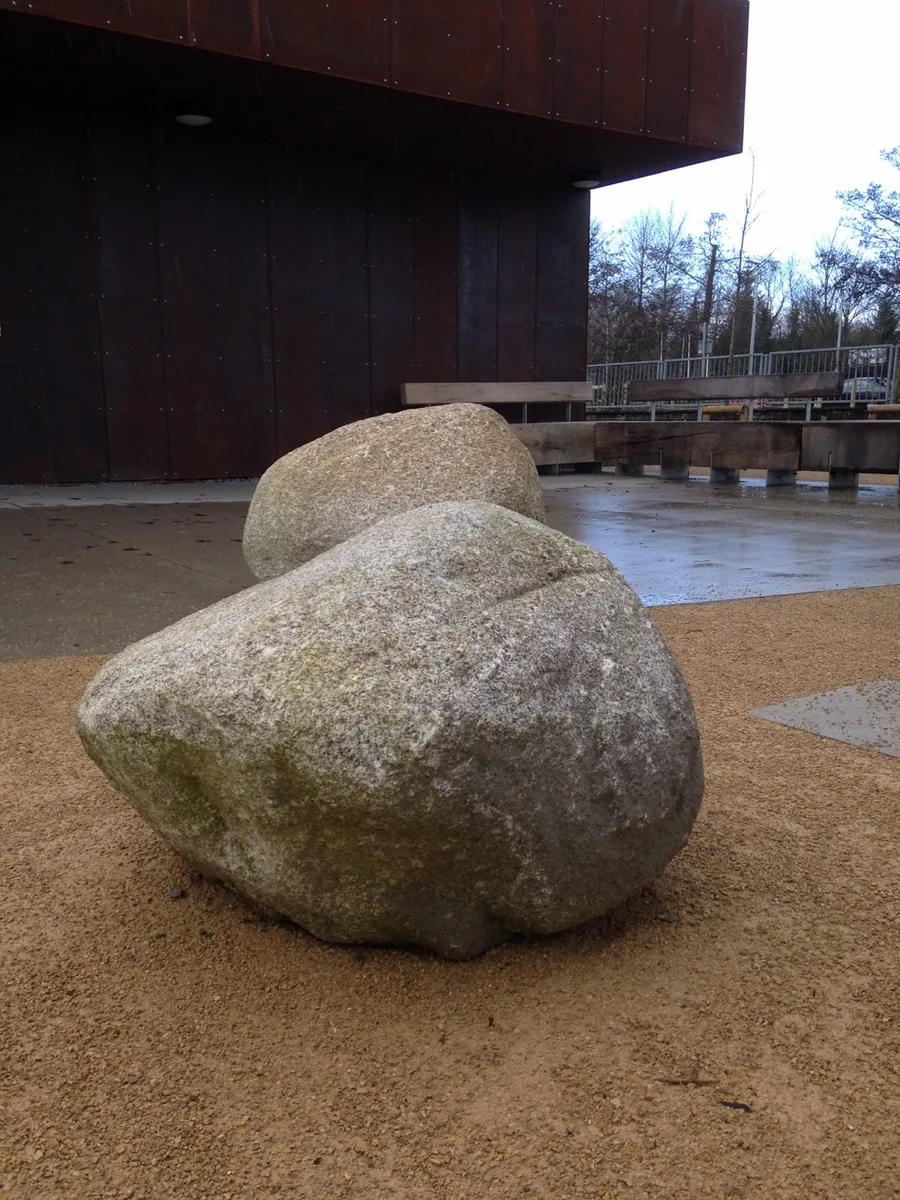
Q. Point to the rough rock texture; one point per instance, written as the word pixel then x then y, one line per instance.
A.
pixel 457 725
pixel 333 488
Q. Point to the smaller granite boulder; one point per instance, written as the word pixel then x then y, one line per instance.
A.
pixel 333 488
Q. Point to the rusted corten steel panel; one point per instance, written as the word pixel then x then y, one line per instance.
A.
pixel 126 263
pixel 392 284
pixel 528 31
pixel 216 320
pixel 562 256
pixel 478 240
pixel 626 41
pixel 436 290
pixel 453 50
pixel 229 26
pixel 181 306
pixel 163 20
pixel 667 69
pixel 718 72
pixel 346 38
pixel 578 61
pixel 51 383
pixel 516 284
pixel 318 247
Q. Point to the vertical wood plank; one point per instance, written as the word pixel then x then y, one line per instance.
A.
pixel 669 69
pixel 529 51
pixel 436 286
pixel 350 38
pixel 718 72
pixel 392 294
pixel 478 272
pixel 563 224
pixel 443 49
pixel 516 283
pixel 125 253
pixel 317 224
pixel 51 390
pixel 578 78
pixel 210 194
pixel 625 42
pixel 228 26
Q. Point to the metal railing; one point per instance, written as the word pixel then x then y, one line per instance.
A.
pixel 871 371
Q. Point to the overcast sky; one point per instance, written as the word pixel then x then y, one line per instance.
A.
pixel 823 97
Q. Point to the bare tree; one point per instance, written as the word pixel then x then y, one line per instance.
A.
pixel 670 257
pixel 873 215
pixel 604 275
pixel 648 282
pixel 749 218
pixel 842 286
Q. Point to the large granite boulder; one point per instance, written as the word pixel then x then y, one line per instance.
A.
pixel 456 725
pixel 333 488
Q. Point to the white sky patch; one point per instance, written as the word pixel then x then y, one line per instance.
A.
pixel 823 98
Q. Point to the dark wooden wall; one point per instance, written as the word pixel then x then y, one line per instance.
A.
pixel 182 303
pixel 672 69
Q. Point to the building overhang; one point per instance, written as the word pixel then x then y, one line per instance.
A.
pixel 681 101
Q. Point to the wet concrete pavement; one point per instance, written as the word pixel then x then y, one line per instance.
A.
pixel 683 543
pixel 92 579
pixel 84 576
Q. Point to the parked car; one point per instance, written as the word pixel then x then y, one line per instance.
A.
pixel 867 388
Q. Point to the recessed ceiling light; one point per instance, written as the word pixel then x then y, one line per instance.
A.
pixel 587 180
pixel 194 119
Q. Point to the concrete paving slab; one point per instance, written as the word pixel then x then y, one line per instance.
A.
pixel 215 491
pixel 866 715
pixel 90 582
pixel 203 538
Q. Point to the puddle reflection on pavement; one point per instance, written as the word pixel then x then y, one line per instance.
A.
pixel 684 543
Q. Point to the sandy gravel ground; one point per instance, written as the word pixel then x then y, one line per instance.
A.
pixel 733 1032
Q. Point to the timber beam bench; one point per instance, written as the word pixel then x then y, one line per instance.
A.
pixel 844 449
pixel 571 397
pixel 742 391
pixel 568 442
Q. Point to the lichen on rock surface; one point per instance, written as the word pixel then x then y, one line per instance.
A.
pixel 457 725
pixel 334 487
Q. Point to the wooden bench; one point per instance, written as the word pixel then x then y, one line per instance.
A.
pixel 820 385
pixel 883 412
pixel 573 395
pixel 843 449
